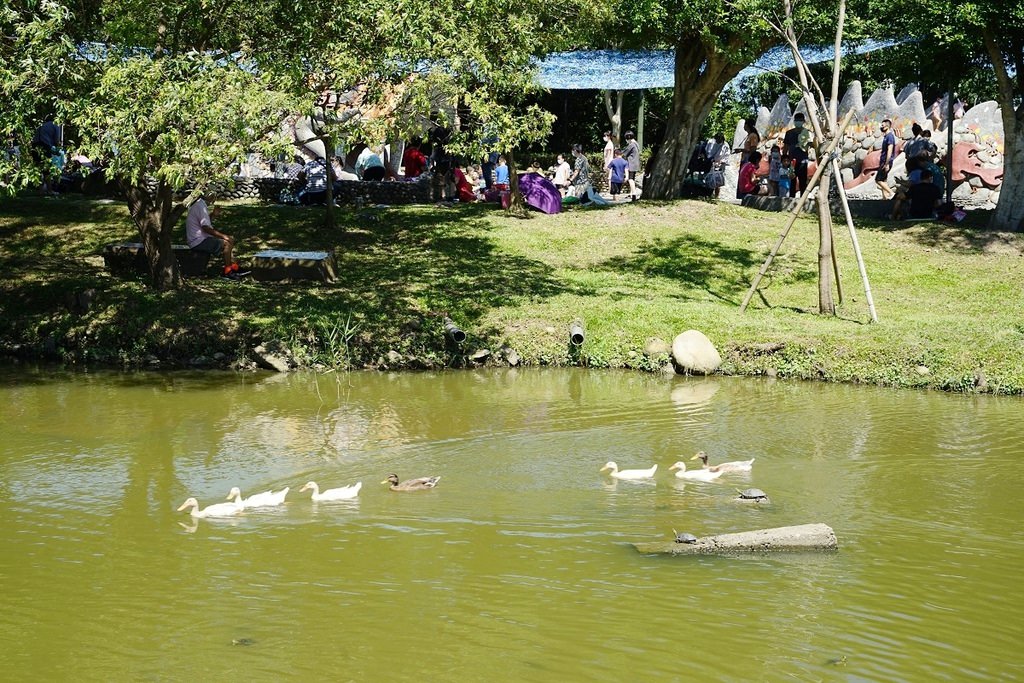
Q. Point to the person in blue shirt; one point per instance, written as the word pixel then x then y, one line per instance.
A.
pixel 501 174
pixel 618 167
pixel 885 161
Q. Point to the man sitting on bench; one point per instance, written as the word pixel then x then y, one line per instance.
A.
pixel 203 237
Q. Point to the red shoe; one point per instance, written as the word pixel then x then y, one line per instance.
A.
pixel 233 267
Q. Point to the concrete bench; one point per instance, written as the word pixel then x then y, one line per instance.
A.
pixel 274 265
pixel 127 258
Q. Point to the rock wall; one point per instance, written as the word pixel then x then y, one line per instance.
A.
pixel 977 137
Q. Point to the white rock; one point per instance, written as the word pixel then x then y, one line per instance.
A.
pixel 693 352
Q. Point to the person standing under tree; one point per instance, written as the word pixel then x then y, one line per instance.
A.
pixel 751 142
pixel 619 168
pixel 580 177
pixel 609 153
pixel 631 153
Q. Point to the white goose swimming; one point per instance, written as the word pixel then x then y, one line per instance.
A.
pixel 258 500
pixel 724 467
pixel 341 493
pixel 616 473
pixel 216 510
pixel 693 475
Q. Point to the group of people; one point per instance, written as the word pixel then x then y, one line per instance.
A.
pixel 621 166
pixel 916 196
pixel 920 193
pixel 787 162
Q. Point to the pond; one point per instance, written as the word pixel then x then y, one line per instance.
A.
pixel 518 566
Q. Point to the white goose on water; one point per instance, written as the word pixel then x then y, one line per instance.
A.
pixel 725 467
pixel 258 500
pixel 215 510
pixel 693 475
pixel 341 493
pixel 616 473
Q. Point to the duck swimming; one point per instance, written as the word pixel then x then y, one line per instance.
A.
pixel 693 475
pixel 257 500
pixel 216 510
pixel 734 466
pixel 340 493
pixel 420 484
pixel 616 473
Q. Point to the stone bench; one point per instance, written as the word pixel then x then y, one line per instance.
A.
pixel 129 258
pixel 273 265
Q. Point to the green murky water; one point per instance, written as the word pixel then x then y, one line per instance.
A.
pixel 517 567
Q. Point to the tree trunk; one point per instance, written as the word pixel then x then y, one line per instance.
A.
pixel 700 76
pixel 1009 213
pixel 329 195
pixel 155 214
pixel 614 114
pixel 826 304
pixel 1010 209
pixel 516 203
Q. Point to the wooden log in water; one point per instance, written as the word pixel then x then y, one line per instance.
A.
pixel 780 539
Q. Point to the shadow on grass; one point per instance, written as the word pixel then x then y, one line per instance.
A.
pixel 702 265
pixel 397 271
pixel 971 235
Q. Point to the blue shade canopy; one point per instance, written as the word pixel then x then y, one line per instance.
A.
pixel 642 69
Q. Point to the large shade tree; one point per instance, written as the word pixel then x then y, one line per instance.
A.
pixel 170 94
pixel 163 95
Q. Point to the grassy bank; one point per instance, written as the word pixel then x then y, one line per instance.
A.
pixel 949 298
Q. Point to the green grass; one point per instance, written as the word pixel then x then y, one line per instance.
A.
pixel 949 298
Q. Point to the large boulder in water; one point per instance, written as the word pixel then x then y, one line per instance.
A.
pixel 693 352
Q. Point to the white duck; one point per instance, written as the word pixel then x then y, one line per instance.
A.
pixel 724 467
pixel 341 493
pixel 616 473
pixel 258 500
pixel 216 510
pixel 693 475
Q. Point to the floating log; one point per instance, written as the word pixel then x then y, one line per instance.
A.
pixel 780 539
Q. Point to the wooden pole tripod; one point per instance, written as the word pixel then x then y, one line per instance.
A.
pixel 826 159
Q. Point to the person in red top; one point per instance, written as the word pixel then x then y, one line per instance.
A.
pixel 414 161
pixel 747 183
pixel 463 187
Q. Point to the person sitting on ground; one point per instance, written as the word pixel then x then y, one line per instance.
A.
pixel 463 190
pixel 315 176
pixel 922 197
pixel 501 174
pixel 748 183
pixel 885 161
pixel 562 171
pixel 619 167
pixel 414 161
pixel 293 169
pixel 201 236
pixel 369 165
